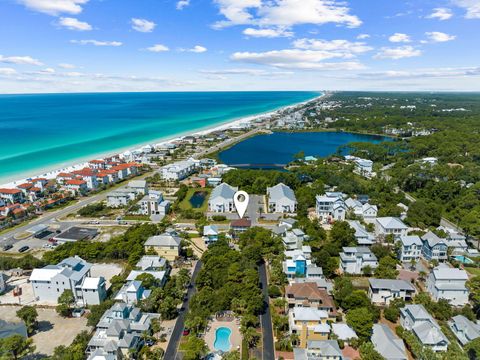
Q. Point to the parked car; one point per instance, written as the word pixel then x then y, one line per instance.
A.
pixel 149 342
pixel 7 247
pixel 23 249
pixel 186 332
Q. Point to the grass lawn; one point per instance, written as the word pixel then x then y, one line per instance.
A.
pixel 360 282
pixel 186 205
pixel 472 270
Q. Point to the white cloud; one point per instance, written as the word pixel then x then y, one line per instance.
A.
pixel 341 48
pixel 181 4
pixel 399 37
pixel 143 25
pixel 74 24
pixel 398 52
pixel 471 6
pixel 158 48
pixel 198 49
pixel 21 60
pixel 7 71
pixel 55 7
pixel 284 13
pixel 441 14
pixel 297 59
pixel 424 73
pixel 67 66
pixel 96 42
pixel 363 36
pixel 250 72
pixel 267 33
pixel 436 36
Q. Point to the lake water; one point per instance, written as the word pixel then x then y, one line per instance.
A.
pixel 277 149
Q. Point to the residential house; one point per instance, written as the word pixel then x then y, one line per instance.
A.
pixel 390 226
pixel 343 332
pixel 293 239
pixel 239 226
pixel 448 283
pixel 414 318
pixel 221 199
pixel 411 248
pixel 281 199
pixel 287 222
pixel 132 292
pixel 308 294
pixel 434 248
pixel 11 195
pixel 154 204
pixel 382 291
pixel 165 245
pixel 309 324
pixel 179 170
pixel 73 274
pixel 455 240
pixel 89 176
pixel 139 186
pixel 362 236
pixel 365 211
pixel 120 197
pixel 210 234
pixel 319 350
pixel 354 259
pixel 76 186
pixel 464 329
pixel 387 344
pixel 330 207
pixel 152 262
pixel 120 330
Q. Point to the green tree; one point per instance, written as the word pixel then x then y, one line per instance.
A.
pixel 232 355
pixel 194 348
pixel 341 233
pixel 356 299
pixel 65 303
pixel 250 335
pixel 368 352
pixel 387 268
pixel 29 316
pixel 15 347
pixel 148 280
pixel 361 320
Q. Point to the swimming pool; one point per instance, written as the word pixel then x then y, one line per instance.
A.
pixel 222 339
pixel 463 259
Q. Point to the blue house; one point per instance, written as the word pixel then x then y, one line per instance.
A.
pixel 295 267
pixel 434 248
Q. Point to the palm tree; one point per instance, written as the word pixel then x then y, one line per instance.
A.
pixel 250 335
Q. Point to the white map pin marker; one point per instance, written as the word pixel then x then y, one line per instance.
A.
pixel 240 199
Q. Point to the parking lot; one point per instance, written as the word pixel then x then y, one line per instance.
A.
pixel 53 329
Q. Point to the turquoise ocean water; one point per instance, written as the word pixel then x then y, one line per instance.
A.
pixel 39 132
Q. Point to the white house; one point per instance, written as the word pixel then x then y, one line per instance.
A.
pixel 293 239
pixel 411 248
pixel 354 259
pixel 120 197
pixel 363 237
pixel 364 167
pixel 154 204
pixel 448 283
pixel 281 199
pixel 390 225
pixel 221 199
pixel 210 234
pixel 382 291
pixel 464 329
pixel 73 274
pixel 415 318
pixel 330 207
pixel 387 344
pixel 139 186
pixel 179 170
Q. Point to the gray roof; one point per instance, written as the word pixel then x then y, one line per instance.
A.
pixel 163 240
pixel 432 239
pixel 391 223
pixel 464 329
pixel 387 344
pixel 149 262
pixel 223 191
pixel 445 273
pixel 429 334
pixel 280 191
pixel 326 347
pixel 391 284
pixel 410 240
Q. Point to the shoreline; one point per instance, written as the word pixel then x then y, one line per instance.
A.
pixel 50 172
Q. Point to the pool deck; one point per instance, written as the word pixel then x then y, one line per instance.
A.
pixel 235 336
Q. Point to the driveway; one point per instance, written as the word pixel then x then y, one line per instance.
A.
pixel 268 352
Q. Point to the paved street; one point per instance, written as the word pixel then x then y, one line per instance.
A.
pixel 266 319
pixel 172 348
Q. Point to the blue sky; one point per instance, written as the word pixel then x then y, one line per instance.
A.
pixel 183 45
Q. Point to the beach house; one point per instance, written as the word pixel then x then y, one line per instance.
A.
pixel 354 259
pixel 364 167
pixel 387 344
pixel 154 204
pixel 76 186
pixel 382 291
pixel 415 318
pixel 448 283
pixel 410 248
pixel 293 239
pixel 364 211
pixel 73 273
pixel 120 197
pixel 330 207
pixel 434 248
pixel 308 323
pixel 308 294
pixel 165 245
pixel 281 199
pixel 464 329
pixel 390 226
pixel 221 199
pixel 139 186
pixel 210 234
pixel 362 236
pixel 319 350
pixel 11 196
pixel 179 170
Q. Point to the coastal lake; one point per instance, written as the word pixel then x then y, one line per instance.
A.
pixel 277 149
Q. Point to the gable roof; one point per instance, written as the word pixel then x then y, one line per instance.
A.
pixel 432 239
pixel 391 223
pixel 443 273
pixel 409 240
pixel 280 191
pixel 387 344
pixel 163 240
pixel 223 191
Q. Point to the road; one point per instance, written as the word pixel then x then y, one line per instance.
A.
pixel 172 348
pixel 268 351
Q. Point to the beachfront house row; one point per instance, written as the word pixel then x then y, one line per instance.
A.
pixel 448 283
pixel 73 274
pixel 221 199
pixel 387 344
pixel 319 350
pixel 464 329
pixel 179 170
pixel 382 291
pixel 330 207
pixel 76 186
pixel 281 199
pixel 354 259
pixel 165 245
pixel 119 331
pixel 410 248
pixel 308 323
pixel 390 226
pixel 11 196
pixel 415 318
pixel 434 248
